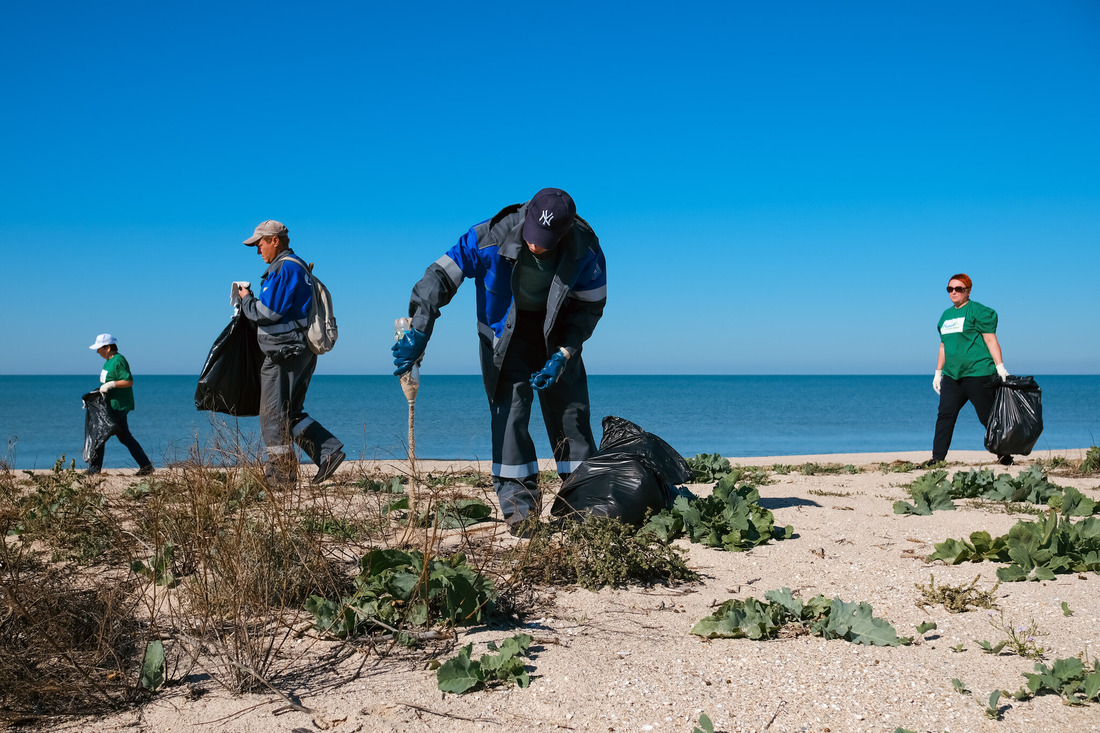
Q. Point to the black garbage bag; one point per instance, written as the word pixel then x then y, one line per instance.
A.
pixel 230 379
pixel 632 473
pixel 1016 420
pixel 99 423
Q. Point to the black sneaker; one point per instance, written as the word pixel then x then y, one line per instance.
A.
pixel 144 471
pixel 328 466
pixel 1004 460
pixel 930 463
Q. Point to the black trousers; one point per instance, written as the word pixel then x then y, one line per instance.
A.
pixel 565 413
pixel 126 439
pixel 284 381
pixel 954 393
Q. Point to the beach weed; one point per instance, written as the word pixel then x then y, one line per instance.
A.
pixel 406 589
pixel 704 725
pixel 782 469
pixel 1066 610
pixel 959 686
pixel 925 626
pixel 599 552
pixel 993 710
pixel 730 518
pixel 957 649
pixel 823 492
pixel 1091 462
pixel 1034 550
pixel 391 485
pixel 461 674
pixel 956 598
pixel 1021 640
pixel 708 467
pixel 820 616
pixel 1072 679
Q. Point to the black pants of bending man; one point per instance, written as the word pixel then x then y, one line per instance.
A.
pixel 565 412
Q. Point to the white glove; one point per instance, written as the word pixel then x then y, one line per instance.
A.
pixel 103 388
pixel 1001 371
pixel 936 379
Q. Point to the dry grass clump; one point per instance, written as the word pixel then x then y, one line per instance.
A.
pixel 957 598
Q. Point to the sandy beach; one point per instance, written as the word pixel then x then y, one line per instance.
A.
pixel 624 659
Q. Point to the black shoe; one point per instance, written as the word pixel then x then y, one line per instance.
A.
pixel 1004 460
pixel 930 463
pixel 328 466
pixel 92 470
pixel 144 471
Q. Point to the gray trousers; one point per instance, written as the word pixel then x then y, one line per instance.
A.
pixel 565 412
pixel 284 381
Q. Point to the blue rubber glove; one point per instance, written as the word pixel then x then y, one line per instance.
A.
pixel 408 350
pixel 550 372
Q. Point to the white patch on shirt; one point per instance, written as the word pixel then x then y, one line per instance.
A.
pixel 953 325
pixel 103 377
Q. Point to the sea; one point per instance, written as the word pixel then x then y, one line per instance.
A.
pixel 42 420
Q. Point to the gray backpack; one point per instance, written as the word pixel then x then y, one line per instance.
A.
pixel 321 334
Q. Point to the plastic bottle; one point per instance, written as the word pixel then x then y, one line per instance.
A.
pixel 410 380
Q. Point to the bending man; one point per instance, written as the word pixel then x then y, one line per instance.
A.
pixel 541 288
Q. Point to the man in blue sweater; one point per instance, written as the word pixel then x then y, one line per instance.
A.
pixel 281 315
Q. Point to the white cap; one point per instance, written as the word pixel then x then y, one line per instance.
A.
pixel 103 339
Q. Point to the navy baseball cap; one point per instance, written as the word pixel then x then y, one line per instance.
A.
pixel 549 215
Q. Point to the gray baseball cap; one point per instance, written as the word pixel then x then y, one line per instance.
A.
pixel 269 228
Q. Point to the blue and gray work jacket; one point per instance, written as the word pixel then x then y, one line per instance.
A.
pixel 281 312
pixel 488 253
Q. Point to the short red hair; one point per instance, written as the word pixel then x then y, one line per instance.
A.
pixel 963 278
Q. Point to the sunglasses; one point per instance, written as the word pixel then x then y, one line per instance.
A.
pixel 957 290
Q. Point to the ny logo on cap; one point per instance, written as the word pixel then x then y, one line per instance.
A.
pixel 546 217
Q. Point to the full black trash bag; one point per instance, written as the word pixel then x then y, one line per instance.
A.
pixel 632 473
pixel 99 423
pixel 1016 420
pixel 230 379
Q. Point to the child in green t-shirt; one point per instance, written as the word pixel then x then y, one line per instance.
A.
pixel 117 387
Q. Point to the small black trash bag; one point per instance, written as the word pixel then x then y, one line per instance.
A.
pixel 1016 420
pixel 230 379
pixel 99 423
pixel 632 473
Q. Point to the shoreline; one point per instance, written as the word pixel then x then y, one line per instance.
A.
pixel 401 465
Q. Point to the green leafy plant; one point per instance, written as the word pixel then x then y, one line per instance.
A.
pixel 455 514
pixel 782 469
pixel 1035 550
pixel 392 485
pixel 159 569
pixel 462 674
pixel 956 598
pixel 1066 610
pixel 993 710
pixel 403 589
pixel 704 725
pixel 959 686
pixel 935 492
pixel 730 518
pixel 1072 679
pixel 990 648
pixel 925 626
pixel 820 616
pixel 1091 462
pixel 707 467
pixel 957 649
pixel 152 666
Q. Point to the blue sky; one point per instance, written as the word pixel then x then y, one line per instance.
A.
pixel 780 188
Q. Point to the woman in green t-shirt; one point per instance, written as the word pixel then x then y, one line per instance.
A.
pixel 968 364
